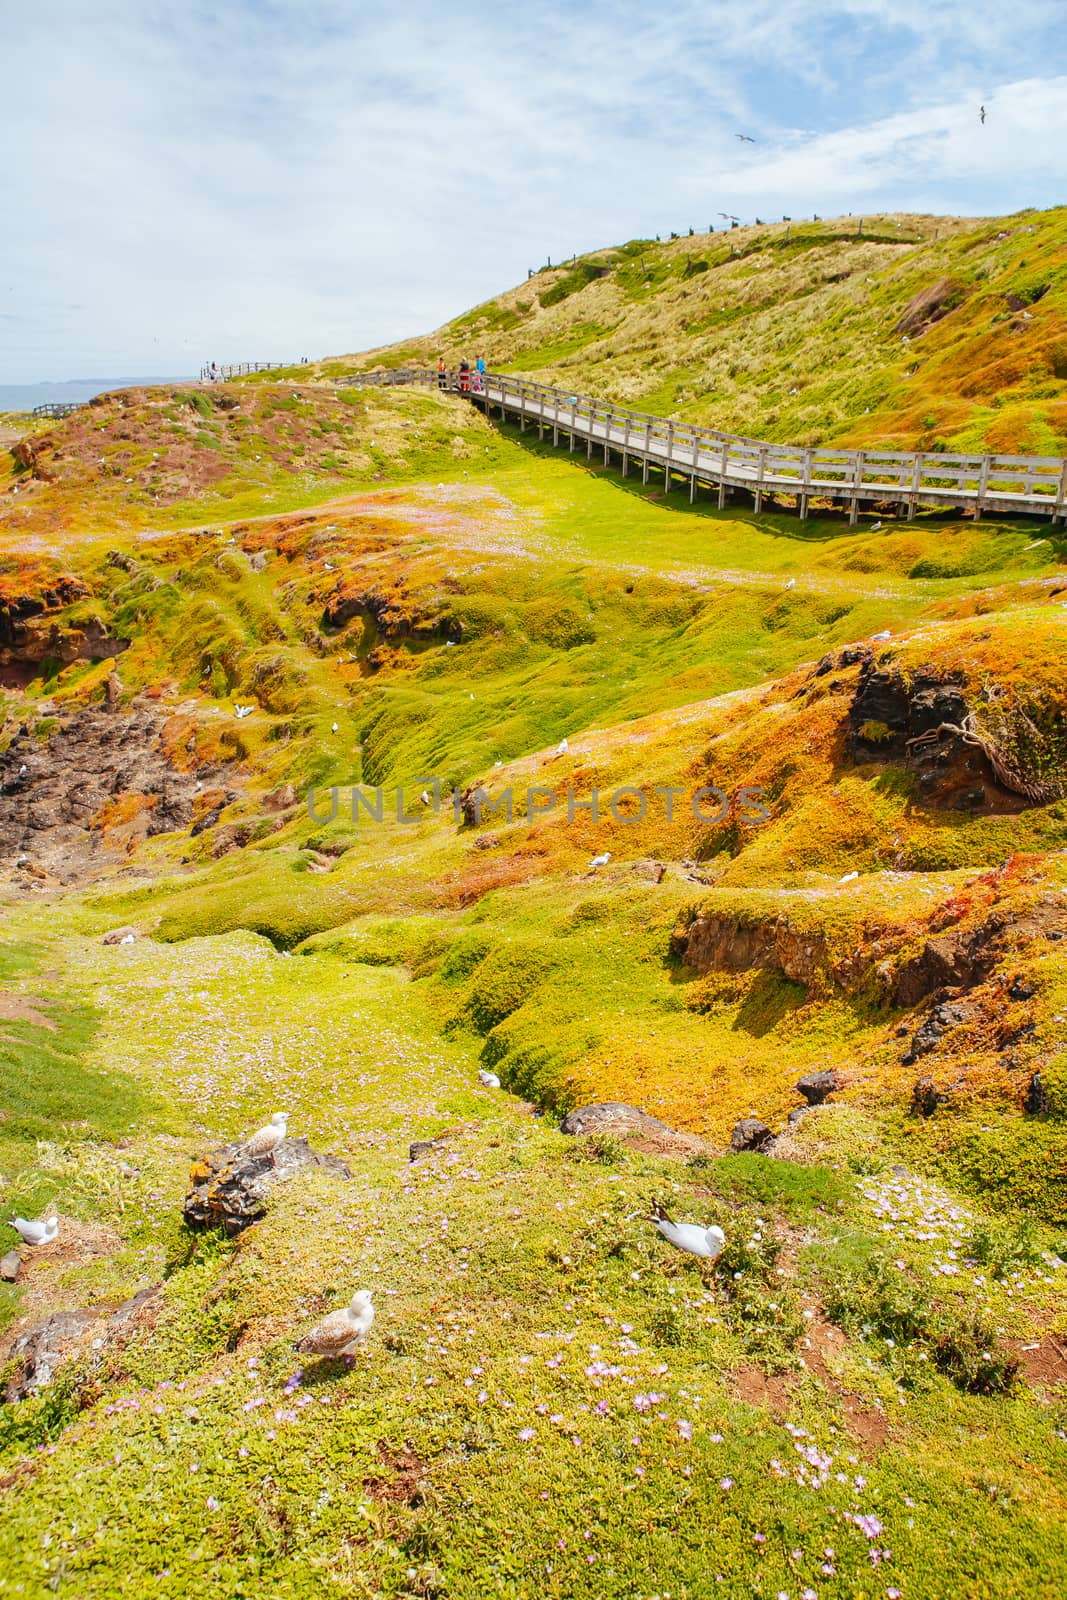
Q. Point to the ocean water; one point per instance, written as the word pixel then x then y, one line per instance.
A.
pixel 24 396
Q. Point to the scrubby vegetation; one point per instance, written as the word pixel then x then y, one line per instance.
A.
pixel 865 1394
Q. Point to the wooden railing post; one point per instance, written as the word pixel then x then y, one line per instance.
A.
pixel 857 479
pixel 722 473
pixel 667 464
pixel 805 482
pixel 983 482
pixel 916 480
pixel 761 467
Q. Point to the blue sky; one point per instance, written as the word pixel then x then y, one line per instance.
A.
pixel 264 179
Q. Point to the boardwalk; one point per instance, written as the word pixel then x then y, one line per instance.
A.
pixel 703 457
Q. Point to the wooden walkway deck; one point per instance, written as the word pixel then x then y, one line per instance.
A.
pixel 703 457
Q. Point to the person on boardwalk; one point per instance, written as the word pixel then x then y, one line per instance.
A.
pixel 442 375
pixel 479 368
pixel 464 376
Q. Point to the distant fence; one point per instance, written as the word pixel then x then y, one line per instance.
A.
pixel 56 408
pixel 725 461
pixel 215 374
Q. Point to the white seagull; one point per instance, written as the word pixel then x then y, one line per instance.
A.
pixel 561 748
pixel 848 877
pixel 791 584
pixel 689 1235
pixel 488 1080
pixel 35 1233
pixel 333 727
pixel 602 860
pixel 342 1332
pixel 883 635
pixel 266 1140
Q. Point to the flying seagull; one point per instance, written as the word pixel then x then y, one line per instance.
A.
pixel 488 1080
pixel 342 1332
pixel 981 114
pixel 728 217
pixel 266 1140
pixel 35 1233
pixel 602 860
pixel 744 138
pixel 688 1235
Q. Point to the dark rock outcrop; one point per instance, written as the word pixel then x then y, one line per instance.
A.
pixel 228 1188
pixel 926 1097
pixel 1038 1102
pixel 43 1348
pixel 10 1266
pixel 750 1134
pixel 939 1021
pixel 817 1086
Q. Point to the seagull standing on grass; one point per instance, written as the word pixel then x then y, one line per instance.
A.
pixel 266 1140
pixel 689 1236
pixel 488 1080
pixel 602 860
pixel 342 1332
pixel 34 1233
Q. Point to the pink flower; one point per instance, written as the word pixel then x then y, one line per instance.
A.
pixel 726 1483
pixel 212 1503
pixel 685 1429
pixel 869 1525
pixel 526 1434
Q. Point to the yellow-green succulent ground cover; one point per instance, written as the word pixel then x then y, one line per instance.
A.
pixel 552 1401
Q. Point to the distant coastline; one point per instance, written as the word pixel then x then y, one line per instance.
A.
pixel 24 396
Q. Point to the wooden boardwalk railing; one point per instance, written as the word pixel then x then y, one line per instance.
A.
pixel 241 369
pixel 725 461
pixel 57 408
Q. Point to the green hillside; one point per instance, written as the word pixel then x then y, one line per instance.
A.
pixel 233 623
pixel 916 332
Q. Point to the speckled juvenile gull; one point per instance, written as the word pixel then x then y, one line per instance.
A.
pixel 268 1138
pixel 341 1333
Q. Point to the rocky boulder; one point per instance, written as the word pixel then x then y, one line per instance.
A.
pixel 1038 1101
pixel 941 1020
pixel 228 1188
pixel 818 1086
pixel 616 1120
pixel 750 1134
pixel 926 1097
pixel 45 1346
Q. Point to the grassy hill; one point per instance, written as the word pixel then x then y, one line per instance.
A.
pixel 212 601
pixel 916 332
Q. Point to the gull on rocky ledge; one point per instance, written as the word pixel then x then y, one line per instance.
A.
pixel 266 1140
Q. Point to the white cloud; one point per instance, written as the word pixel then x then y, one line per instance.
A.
pixel 274 178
